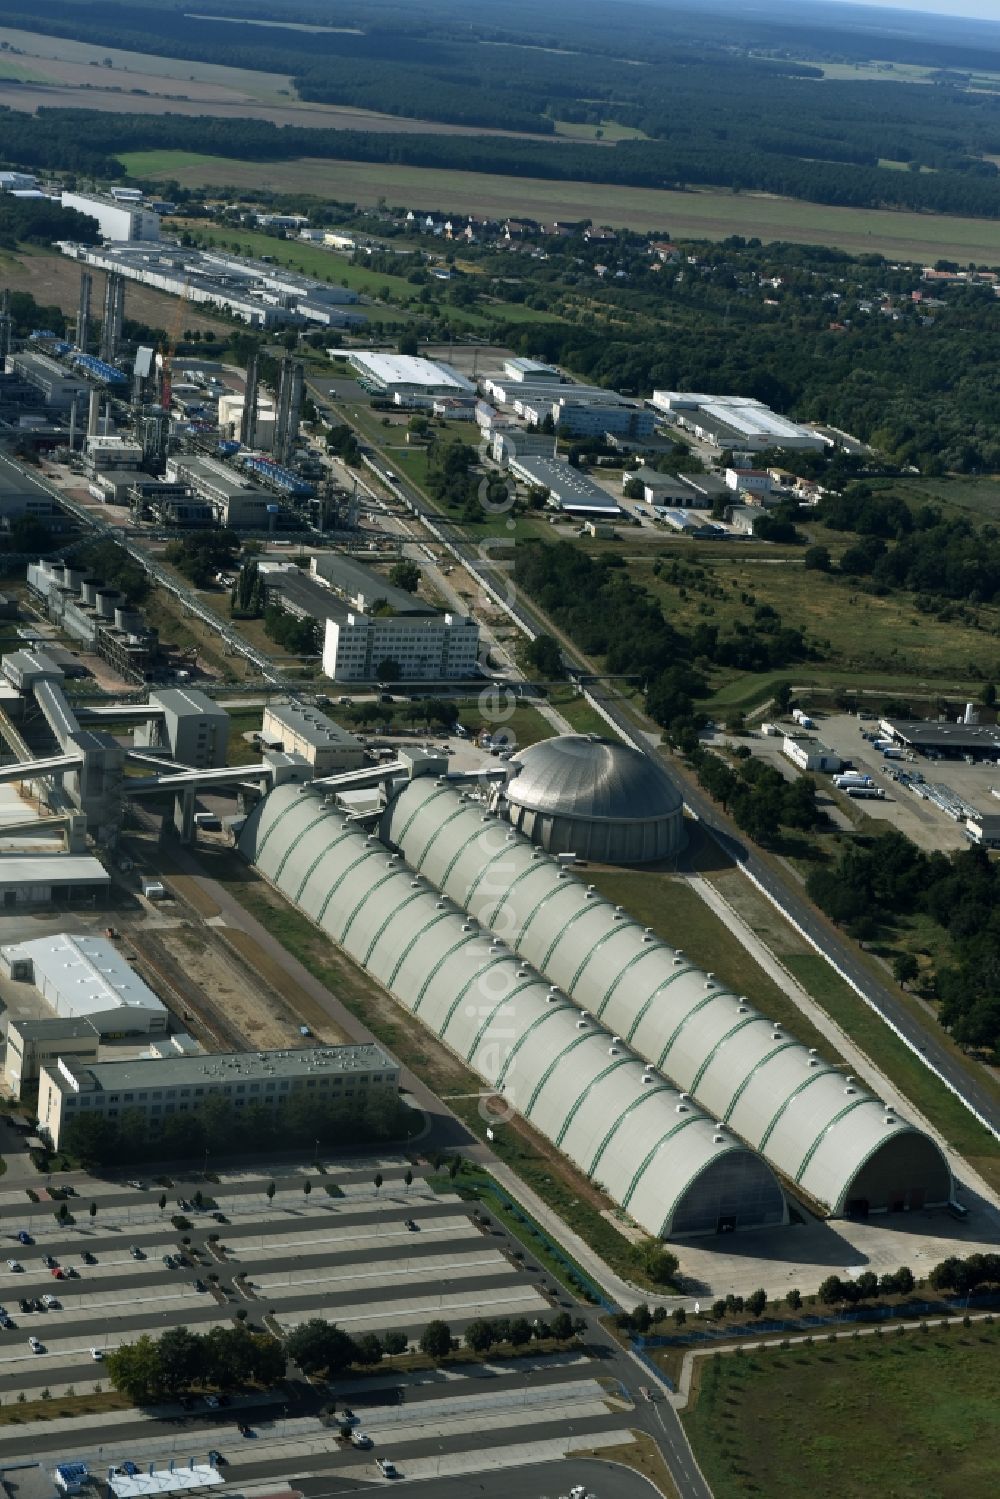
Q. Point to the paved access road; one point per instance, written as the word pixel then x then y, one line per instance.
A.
pixel 541 1481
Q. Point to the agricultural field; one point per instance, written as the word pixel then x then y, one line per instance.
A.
pixel 912 1416
pixel 56 73
pixel 703 214
pixel 54 281
pixel 608 131
pixel 66 64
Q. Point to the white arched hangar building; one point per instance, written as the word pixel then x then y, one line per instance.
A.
pixel 674 1170
pixel 820 1130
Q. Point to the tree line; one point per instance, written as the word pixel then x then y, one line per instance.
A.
pixel 756 795
pixel 93 141
pixel 321 1347
pixel 41 221
pixel 871 880
pixel 225 1358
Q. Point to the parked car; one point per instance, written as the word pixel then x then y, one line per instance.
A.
pixel 88 1257
pixel 24 1237
pixel 215 1457
pixel 36 1345
pixel 97 1354
pixel 200 1285
pixel 14 1265
pixel 361 1439
pixel 25 1304
pixel 52 1302
pixel 136 1252
pixel 386 1467
pixel 49 1262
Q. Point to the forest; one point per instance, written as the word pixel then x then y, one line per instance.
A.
pixel 871 881
pixel 39 221
pixel 747 116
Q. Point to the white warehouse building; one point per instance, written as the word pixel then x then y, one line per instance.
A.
pixel 117 221
pixel 86 978
pixel 736 422
pixel 407 378
pixel 823 1132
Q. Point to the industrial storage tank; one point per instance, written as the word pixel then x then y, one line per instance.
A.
pixel 593 797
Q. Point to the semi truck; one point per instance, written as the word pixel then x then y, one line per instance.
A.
pixel 852 778
pixel 865 791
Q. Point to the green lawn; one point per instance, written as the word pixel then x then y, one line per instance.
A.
pixel 577 711
pixel 904 1417
pixel 243 721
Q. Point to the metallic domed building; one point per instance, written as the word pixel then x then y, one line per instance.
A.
pixel 580 794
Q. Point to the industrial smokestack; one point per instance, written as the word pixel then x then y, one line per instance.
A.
pixel 83 311
pixel 248 422
pixel 114 313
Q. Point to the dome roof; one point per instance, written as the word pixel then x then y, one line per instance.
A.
pixel 582 775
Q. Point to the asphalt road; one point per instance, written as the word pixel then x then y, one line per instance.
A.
pixel 540 1481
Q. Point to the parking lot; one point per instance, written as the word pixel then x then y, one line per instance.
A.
pixel 368 1258
pixel 349 1258
pixel 928 826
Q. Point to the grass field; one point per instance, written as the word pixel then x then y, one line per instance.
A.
pixel 709 214
pixel 60 60
pixel 977 499
pixel 904 1417
pixel 854 631
pixel 54 281
pixel 679 915
pixel 609 131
